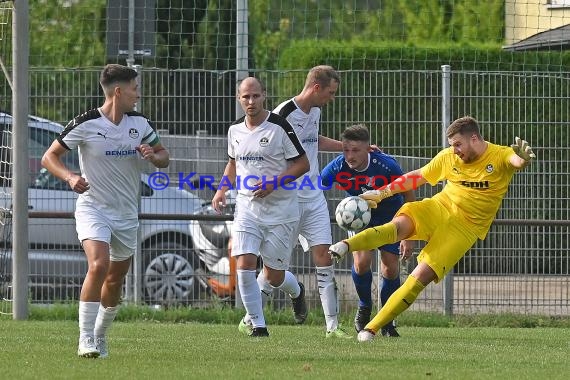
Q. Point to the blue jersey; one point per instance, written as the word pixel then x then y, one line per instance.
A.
pixel 382 169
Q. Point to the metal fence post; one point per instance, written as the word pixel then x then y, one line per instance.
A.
pixel 20 106
pixel 133 283
pixel 445 120
pixel 242 69
pixel 136 266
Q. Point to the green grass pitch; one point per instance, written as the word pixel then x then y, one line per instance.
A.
pixel 150 350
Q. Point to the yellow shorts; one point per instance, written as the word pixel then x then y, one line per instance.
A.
pixel 447 235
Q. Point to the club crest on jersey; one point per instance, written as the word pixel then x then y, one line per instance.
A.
pixel 264 142
pixel 489 168
pixel 133 133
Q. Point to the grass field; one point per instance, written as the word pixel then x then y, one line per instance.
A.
pixel 151 350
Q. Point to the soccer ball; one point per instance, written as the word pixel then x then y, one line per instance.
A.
pixel 365 336
pixel 352 214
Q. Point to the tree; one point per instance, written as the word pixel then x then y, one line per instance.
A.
pixel 67 35
pixel 478 21
pixel 424 20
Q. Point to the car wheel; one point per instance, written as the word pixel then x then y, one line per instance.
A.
pixel 171 274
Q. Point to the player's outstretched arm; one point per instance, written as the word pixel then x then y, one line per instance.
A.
pixel 373 197
pixel 409 181
pixel 523 153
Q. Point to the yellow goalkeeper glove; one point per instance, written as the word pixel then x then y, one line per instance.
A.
pixel 338 250
pixel 373 197
pixel 522 149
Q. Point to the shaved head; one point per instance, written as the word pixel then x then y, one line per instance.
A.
pixel 251 83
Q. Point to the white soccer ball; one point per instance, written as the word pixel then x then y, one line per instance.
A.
pixel 365 336
pixel 352 214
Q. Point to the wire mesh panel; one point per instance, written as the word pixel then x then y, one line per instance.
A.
pixel 532 256
pixel 527 265
pixel 389 56
pixel 5 96
pixel 5 35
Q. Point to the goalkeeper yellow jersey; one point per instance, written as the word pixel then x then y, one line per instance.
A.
pixel 474 190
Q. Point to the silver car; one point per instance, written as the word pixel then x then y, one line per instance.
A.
pixel 177 255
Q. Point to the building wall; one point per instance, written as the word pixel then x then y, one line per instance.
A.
pixel 525 18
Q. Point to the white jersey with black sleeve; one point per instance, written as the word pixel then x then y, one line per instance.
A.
pixel 108 159
pixel 263 154
pixel 306 126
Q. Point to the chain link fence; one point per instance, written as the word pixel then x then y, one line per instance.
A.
pixel 522 266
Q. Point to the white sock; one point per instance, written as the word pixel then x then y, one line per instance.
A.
pixel 251 296
pixel 266 292
pixel 328 294
pixel 87 315
pixel 290 285
pixel 105 317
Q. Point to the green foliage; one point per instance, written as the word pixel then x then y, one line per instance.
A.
pixel 482 91
pixel 64 36
pixel 177 30
pixel 383 25
pixel 67 35
pixel 411 23
pixel 450 20
pixel 424 20
pixel 478 21
pixel 200 35
pixel 266 40
pixel 218 31
pixel 361 54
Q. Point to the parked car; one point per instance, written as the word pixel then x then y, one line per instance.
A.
pixel 177 256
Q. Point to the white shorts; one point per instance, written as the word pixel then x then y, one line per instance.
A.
pixel 274 242
pixel 315 224
pixel 121 235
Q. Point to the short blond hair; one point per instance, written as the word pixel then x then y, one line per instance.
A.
pixel 322 75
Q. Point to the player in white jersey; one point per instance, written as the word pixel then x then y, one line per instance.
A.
pixel 111 141
pixel 265 155
pixel 304 112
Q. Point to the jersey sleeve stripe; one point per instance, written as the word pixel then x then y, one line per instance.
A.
pixel 287 109
pixel 283 123
pixel 78 120
pixel 151 139
pixel 60 139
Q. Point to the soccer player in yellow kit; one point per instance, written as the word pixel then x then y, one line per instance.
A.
pixel 478 174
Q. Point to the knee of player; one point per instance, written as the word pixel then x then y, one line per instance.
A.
pixel 98 268
pixel 362 262
pixel 404 226
pixel 321 255
pixel 389 264
pixel 274 277
pixel 390 272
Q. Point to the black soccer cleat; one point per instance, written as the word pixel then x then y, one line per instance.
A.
pixel 361 318
pixel 258 332
pixel 390 330
pixel 300 306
